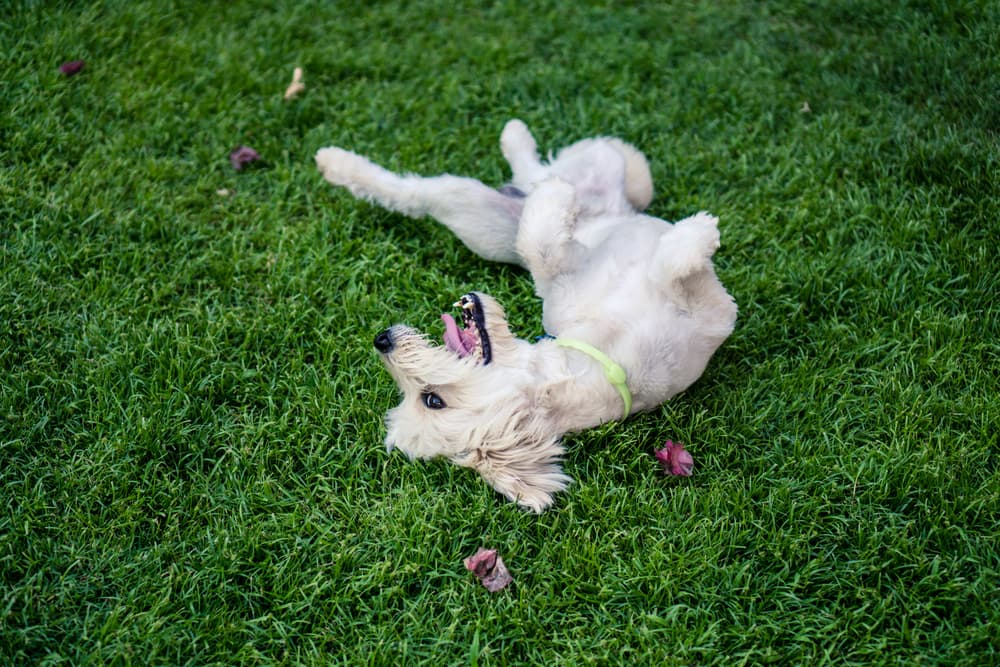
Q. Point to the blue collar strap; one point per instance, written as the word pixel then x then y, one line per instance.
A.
pixel 614 372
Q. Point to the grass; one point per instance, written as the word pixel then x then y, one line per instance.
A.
pixel 191 410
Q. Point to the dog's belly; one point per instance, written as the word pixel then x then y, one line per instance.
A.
pixel 610 285
pixel 594 233
pixel 606 299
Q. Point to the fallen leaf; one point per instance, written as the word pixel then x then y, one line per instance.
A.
pixel 242 156
pixel 72 67
pixel 296 86
pixel 675 459
pixel 489 568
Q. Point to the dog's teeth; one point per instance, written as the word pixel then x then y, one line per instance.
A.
pixel 467 305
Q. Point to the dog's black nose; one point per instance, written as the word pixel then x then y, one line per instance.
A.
pixel 383 342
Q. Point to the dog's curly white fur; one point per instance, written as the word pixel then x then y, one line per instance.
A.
pixel 639 289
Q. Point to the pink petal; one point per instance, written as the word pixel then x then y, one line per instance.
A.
pixel 242 156
pixel 675 459
pixel 72 67
pixel 489 568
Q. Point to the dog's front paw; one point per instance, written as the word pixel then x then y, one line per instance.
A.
pixel 687 247
pixel 536 495
pixel 341 167
pixel 552 203
pixel 537 501
pixel 702 232
pixel 532 489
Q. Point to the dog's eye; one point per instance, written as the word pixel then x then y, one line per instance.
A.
pixel 432 400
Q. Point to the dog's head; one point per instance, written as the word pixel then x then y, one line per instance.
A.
pixel 473 401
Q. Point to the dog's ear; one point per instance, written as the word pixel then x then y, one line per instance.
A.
pixel 526 468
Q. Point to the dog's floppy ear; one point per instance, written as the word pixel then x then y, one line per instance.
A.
pixel 519 455
pixel 526 470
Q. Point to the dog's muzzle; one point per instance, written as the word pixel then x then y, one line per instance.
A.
pixel 384 342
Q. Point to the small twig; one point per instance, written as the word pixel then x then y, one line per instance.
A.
pixel 296 86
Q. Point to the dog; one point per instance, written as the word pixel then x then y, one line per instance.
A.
pixel 632 307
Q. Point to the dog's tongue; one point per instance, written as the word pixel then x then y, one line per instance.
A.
pixel 458 340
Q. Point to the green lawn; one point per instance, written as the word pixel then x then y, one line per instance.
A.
pixel 191 410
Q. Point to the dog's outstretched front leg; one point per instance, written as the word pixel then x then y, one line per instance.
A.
pixel 545 238
pixel 483 219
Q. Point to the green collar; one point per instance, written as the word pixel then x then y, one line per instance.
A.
pixel 614 372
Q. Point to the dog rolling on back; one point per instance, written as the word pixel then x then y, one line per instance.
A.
pixel 631 302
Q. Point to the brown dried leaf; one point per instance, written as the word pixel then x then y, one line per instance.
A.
pixel 242 156
pixel 489 568
pixel 72 67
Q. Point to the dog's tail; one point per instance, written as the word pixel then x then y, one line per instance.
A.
pixel 638 180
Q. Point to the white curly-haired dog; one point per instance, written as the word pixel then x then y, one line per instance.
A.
pixel 632 305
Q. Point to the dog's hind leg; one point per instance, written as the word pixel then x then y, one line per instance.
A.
pixel 521 152
pixel 545 238
pixel 604 166
pixel 484 219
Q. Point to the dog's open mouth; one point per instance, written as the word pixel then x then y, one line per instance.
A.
pixel 471 339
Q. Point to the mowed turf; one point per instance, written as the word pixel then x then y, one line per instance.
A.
pixel 190 408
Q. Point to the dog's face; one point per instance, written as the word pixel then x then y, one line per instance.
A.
pixel 473 401
pixel 450 392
